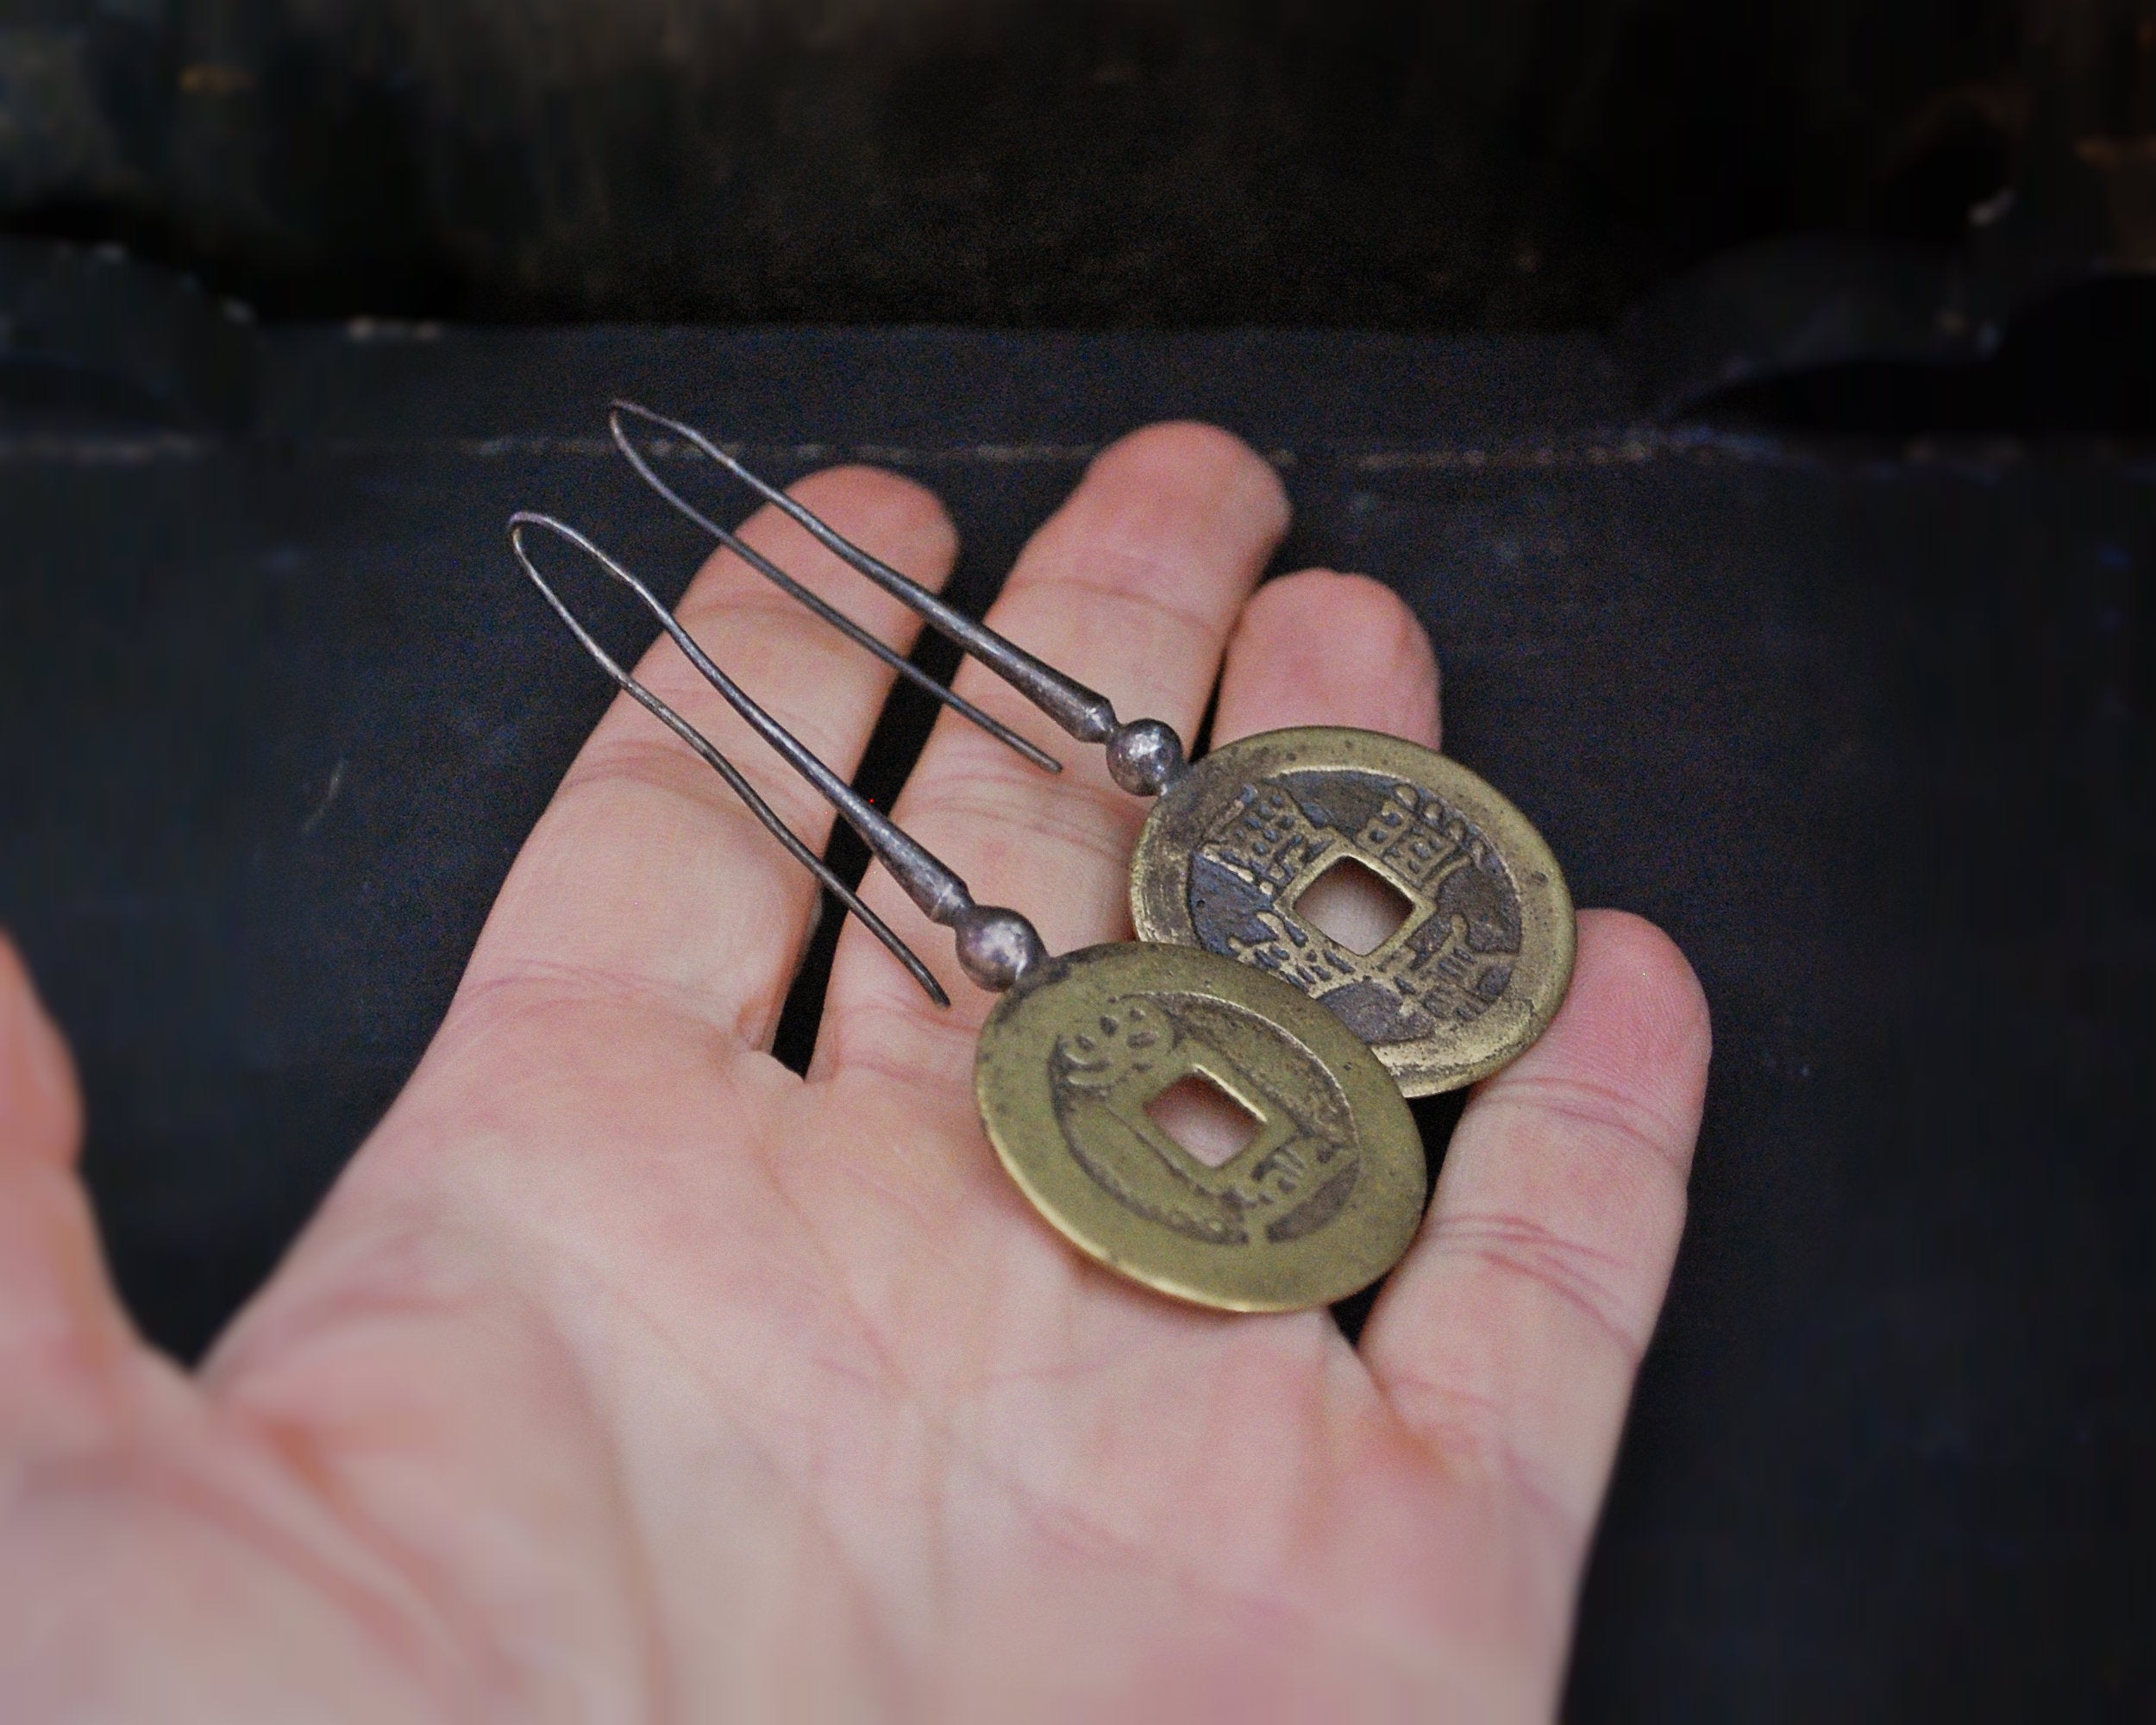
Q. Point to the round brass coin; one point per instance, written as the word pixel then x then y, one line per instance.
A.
pixel 1321 1199
pixel 1480 962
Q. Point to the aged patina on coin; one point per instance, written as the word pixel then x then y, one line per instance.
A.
pixel 1322 1199
pixel 1478 966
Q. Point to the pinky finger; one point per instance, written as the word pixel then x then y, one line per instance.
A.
pixel 1509 1337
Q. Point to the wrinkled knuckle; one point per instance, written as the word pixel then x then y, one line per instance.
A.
pixel 1607 1117
pixel 1137 578
pixel 995 793
pixel 528 992
pixel 1078 819
pixel 527 997
pixel 1472 1436
pixel 607 763
pixel 1565 1270
pixel 892 1040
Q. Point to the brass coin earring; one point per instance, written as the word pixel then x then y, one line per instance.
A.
pixel 1451 946
pixel 1307 1182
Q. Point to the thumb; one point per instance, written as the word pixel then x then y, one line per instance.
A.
pixel 60 1326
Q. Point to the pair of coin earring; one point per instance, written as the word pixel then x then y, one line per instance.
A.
pixel 1323 1190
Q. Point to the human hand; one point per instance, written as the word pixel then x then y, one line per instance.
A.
pixel 625 1375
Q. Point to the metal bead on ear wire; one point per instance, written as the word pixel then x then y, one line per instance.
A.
pixel 1318 1195
pixel 1478 957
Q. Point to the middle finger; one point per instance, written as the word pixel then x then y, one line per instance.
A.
pixel 1131 587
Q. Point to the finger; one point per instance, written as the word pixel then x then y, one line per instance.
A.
pixel 1320 648
pixel 646 872
pixel 1131 587
pixel 1510 1336
pixel 60 1323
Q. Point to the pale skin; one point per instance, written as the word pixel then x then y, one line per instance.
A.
pixel 627 1376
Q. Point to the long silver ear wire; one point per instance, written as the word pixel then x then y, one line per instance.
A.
pixel 696 739
pixel 996 947
pixel 829 614
pixel 1324 1196
pixel 1145 756
pixel 1468 978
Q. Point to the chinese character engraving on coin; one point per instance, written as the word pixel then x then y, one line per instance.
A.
pixel 1481 951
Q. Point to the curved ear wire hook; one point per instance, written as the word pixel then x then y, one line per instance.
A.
pixel 842 795
pixel 1144 756
pixel 837 619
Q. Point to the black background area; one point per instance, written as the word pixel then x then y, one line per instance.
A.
pixel 1063 162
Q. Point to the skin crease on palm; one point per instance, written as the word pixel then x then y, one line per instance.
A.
pixel 626 1376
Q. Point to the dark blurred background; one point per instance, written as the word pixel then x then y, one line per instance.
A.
pixel 1079 162
pixel 1758 404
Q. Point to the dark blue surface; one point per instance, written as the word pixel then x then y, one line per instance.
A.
pixel 1867 730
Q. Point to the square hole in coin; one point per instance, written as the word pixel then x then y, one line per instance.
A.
pixel 1354 905
pixel 1206 1121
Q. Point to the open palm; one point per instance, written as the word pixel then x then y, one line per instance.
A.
pixel 627 1376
